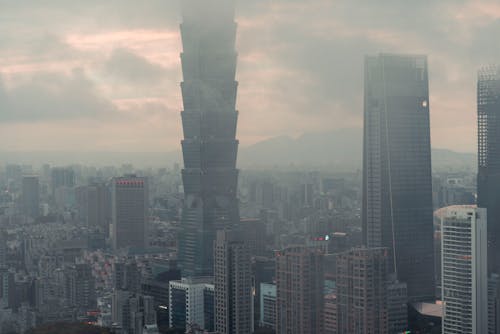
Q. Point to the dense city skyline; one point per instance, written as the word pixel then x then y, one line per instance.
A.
pixel 343 229
pixel 119 65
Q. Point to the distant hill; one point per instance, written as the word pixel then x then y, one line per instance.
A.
pixel 446 159
pixel 340 150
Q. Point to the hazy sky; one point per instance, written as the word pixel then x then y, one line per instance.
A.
pixel 104 75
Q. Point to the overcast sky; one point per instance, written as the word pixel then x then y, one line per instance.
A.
pixel 104 75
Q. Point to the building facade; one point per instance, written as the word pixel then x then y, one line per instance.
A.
pixel 31 196
pixel 95 207
pixel 362 291
pixel 299 291
pixel 330 313
pixel 488 180
pixel 79 287
pixel 233 284
pixel 209 122
pixel 464 270
pixel 62 177
pixel 129 212
pixel 187 303
pixel 133 313
pixel 267 305
pixel 493 304
pixel 397 309
pixel 397 183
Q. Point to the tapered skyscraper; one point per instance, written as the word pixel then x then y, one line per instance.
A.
pixel 209 123
pixel 488 181
pixel 397 193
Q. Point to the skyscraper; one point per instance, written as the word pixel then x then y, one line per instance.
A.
pixel 493 304
pixel 267 311
pixel 187 303
pixel 464 270
pixel 233 285
pixel 209 123
pixel 299 286
pixel 488 181
pixel 133 313
pixel 62 177
pixel 79 287
pixel 397 194
pixel 94 204
pixel 31 196
pixel 397 310
pixel 129 212
pixel 362 291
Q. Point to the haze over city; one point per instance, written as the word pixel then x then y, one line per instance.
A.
pixel 94 76
pixel 249 167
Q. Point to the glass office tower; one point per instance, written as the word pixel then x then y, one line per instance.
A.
pixel 488 181
pixel 397 183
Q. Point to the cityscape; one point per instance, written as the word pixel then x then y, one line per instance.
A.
pixel 246 224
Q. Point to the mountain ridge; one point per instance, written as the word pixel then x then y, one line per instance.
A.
pixel 337 149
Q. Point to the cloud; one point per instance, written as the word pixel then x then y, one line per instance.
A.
pixel 54 96
pixel 299 61
pixel 126 65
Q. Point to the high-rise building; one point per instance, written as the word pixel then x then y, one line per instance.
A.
pixel 126 276
pixel 330 313
pixel 209 307
pixel 156 286
pixel 267 305
pixel 129 212
pixel 209 123
pixel 3 248
pixel 31 196
pixel 133 312
pixel 397 309
pixel 264 270
pixel 62 177
pixel 362 291
pixel 464 270
pixel 299 291
pixel 397 183
pixel 488 180
pixel 94 206
pixel 493 304
pixel 233 284
pixel 188 299
pixel 79 287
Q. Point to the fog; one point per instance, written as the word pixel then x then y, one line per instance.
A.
pixel 93 76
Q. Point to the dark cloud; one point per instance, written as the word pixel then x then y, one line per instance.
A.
pixel 54 96
pixel 124 64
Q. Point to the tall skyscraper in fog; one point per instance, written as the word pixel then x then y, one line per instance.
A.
pixel 465 272
pixel 31 196
pixel 209 123
pixel 300 291
pixel 488 181
pixel 397 194
pixel 233 284
pixel 129 212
